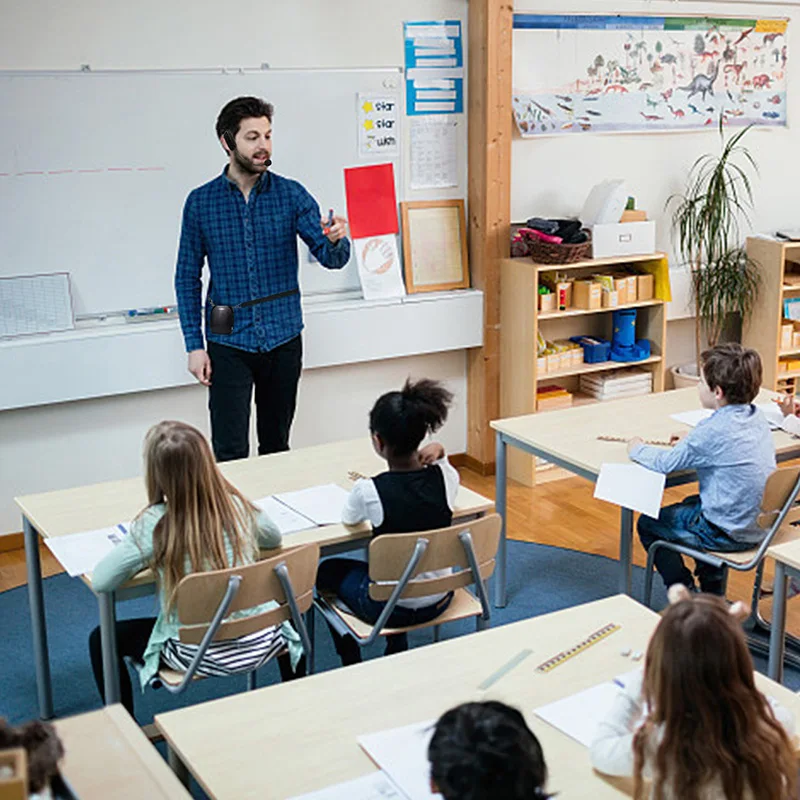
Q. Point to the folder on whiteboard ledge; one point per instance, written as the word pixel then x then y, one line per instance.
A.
pixel 372 215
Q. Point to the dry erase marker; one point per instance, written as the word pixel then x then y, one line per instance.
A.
pixel 327 229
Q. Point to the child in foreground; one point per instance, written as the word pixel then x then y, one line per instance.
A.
pixel 194 521
pixel 733 454
pixel 694 723
pixel 485 751
pixel 417 493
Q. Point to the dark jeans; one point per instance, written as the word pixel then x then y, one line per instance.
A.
pixel 275 375
pixel 132 638
pixel 684 523
pixel 348 579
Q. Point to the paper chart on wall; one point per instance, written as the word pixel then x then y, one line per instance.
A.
pixel 434 151
pixel 583 73
pixel 378 133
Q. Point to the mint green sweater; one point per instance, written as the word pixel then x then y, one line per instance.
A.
pixel 135 553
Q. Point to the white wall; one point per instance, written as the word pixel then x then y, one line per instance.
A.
pixel 552 176
pixel 70 444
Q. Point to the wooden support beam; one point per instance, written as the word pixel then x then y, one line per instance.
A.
pixel 489 126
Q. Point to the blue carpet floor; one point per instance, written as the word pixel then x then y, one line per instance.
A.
pixel 541 579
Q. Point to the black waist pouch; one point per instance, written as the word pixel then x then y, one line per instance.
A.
pixel 222 317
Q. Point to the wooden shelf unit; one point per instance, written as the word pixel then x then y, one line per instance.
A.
pixel 762 331
pixel 520 322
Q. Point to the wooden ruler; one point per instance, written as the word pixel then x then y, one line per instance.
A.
pixel 624 440
pixel 564 655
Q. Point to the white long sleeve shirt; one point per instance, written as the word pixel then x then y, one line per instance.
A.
pixel 612 749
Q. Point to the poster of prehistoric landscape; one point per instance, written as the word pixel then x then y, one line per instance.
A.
pixel 581 73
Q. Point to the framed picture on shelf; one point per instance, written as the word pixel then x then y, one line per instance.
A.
pixel 434 245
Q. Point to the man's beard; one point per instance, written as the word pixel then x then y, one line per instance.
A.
pixel 248 166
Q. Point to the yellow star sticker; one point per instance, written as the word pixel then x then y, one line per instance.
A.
pixel 368 125
pixel 367 107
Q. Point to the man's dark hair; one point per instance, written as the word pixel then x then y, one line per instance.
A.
pixel 485 751
pixel 735 369
pixel 232 114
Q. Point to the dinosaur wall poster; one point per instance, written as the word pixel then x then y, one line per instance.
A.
pixel 582 73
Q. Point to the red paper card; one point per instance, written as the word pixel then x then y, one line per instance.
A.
pixel 371 201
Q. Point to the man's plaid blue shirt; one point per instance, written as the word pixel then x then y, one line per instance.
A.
pixel 251 248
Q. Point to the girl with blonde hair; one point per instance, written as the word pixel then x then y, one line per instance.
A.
pixel 194 521
pixel 694 723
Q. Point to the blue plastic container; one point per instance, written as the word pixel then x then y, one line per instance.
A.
pixel 595 350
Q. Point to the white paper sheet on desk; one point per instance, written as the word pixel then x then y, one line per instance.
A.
pixel 323 504
pixel 402 753
pixel 375 786
pixel 631 486
pixel 578 715
pixel 287 519
pixel 691 418
pixel 79 553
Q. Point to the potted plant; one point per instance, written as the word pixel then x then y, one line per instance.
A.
pixel 706 222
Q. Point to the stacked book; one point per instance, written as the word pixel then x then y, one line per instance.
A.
pixel 617 383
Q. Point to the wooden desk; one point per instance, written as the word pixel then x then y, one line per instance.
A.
pixel 297 737
pixel 104 504
pixel 787 564
pixel 568 438
pixel 107 755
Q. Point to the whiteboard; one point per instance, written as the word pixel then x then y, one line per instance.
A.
pixel 95 168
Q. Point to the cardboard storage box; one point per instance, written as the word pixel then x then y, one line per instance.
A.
pixel 587 294
pixel 645 286
pixel 623 239
pixel 610 299
pixel 787 331
pixel 547 302
pixel 621 287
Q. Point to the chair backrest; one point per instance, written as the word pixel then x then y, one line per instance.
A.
pixel 390 553
pixel 198 595
pixel 779 491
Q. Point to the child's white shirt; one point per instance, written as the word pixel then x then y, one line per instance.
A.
pixel 364 503
pixel 612 749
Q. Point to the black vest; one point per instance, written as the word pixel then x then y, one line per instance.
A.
pixel 413 501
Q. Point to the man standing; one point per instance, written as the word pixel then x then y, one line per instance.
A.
pixel 245 223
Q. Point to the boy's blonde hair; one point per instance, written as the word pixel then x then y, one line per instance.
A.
pixel 201 509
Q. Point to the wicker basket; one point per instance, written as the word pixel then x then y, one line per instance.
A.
pixel 549 253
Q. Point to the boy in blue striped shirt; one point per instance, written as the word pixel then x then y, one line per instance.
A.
pixel 733 454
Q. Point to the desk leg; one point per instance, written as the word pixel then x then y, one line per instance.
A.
pixel 625 550
pixel 777 634
pixel 500 598
pixel 41 657
pixel 108 645
pixel 177 766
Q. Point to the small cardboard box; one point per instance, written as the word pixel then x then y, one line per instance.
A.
pixel 587 294
pixel 14 771
pixel 541 365
pixel 547 302
pixel 621 287
pixel 553 362
pixel 645 286
pixel 623 239
pixel 787 331
pixel 632 282
pixel 610 299
pixel 796 340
